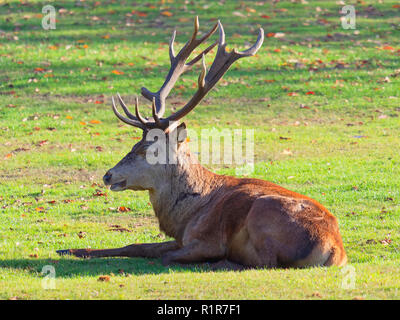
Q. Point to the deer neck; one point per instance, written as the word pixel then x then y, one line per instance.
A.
pixel 187 187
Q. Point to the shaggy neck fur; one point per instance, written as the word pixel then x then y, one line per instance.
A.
pixel 185 189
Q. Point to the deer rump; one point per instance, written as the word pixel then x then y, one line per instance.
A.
pixel 234 223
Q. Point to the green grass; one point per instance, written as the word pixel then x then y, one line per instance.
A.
pixel 342 151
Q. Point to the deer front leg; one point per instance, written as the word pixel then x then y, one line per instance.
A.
pixel 144 250
pixel 196 251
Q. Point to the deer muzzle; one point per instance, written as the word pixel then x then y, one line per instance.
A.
pixel 114 185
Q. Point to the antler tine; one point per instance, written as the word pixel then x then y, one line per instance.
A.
pixel 224 60
pixel 254 48
pixel 171 47
pixel 195 42
pixel 131 122
pixel 203 73
pixel 196 29
pixel 221 40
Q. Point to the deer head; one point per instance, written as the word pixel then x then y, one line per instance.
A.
pixel 134 171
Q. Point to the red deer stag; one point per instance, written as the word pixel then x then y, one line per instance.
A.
pixel 234 222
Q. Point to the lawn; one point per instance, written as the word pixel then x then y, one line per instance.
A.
pixel 323 102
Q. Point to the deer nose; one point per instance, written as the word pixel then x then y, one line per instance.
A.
pixel 107 178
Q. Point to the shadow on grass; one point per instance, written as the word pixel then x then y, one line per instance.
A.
pixel 72 267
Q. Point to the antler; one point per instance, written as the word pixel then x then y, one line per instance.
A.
pixel 207 80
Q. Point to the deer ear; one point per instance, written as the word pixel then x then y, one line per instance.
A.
pixel 181 132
